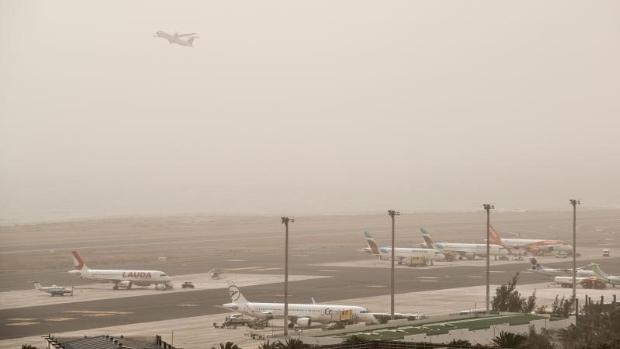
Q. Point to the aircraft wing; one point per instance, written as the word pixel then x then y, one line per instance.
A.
pixel 188 34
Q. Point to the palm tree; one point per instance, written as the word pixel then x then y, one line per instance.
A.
pixel 228 345
pixel 509 340
pixel 291 343
pixel 268 345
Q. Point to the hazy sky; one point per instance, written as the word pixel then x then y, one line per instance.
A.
pixel 290 107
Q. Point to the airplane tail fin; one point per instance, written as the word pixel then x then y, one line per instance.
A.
pixel 535 264
pixel 494 237
pixel 427 238
pixel 37 285
pixel 190 41
pixel 600 273
pixel 78 262
pixel 372 244
pixel 235 295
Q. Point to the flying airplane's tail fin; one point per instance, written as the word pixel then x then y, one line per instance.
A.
pixel 37 285
pixel 235 294
pixel 313 301
pixel 190 41
pixel 494 237
pixel 372 244
pixel 600 273
pixel 78 262
pixel 427 238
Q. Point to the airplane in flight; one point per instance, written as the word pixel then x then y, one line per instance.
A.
pixel 302 315
pixel 401 253
pixel 533 246
pixel 538 268
pixel 121 278
pixel 177 38
pixel 613 280
pixel 463 250
pixel 53 290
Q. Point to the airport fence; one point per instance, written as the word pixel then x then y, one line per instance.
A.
pixel 402 345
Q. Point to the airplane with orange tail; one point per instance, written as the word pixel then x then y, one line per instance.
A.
pixel 533 246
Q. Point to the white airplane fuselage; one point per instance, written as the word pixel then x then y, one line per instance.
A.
pixel 121 277
pixel 176 39
pixel 136 277
pixel 411 252
pixel 315 313
pixel 530 244
pixel 302 315
pixel 472 250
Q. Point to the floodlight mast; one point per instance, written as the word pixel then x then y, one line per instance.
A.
pixel 488 208
pixel 392 214
pixel 286 221
pixel 574 203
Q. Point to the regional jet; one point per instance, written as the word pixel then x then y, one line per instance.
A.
pixel 463 250
pixel 401 253
pixel 301 315
pixel 613 280
pixel 538 268
pixel 534 246
pixel 121 278
pixel 53 290
pixel 177 38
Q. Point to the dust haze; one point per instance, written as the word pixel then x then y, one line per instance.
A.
pixel 306 107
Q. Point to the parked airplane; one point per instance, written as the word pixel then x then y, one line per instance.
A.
pixel 302 315
pixel 176 38
pixel 613 280
pixel 538 268
pixel 54 290
pixel 401 253
pixel 121 278
pixel 534 246
pixel 463 250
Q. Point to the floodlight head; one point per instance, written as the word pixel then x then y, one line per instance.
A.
pixel 287 220
pixel 488 207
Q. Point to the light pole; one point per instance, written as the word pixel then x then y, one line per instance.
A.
pixel 392 214
pixel 574 203
pixel 488 208
pixel 285 221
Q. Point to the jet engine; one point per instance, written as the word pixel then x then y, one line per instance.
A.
pixel 125 284
pixel 304 322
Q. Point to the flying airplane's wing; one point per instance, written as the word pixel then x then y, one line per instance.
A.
pixel 189 34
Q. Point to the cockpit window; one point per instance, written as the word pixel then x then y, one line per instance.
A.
pixel 162 274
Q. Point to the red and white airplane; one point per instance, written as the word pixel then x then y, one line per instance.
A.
pixel 121 278
pixel 533 246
